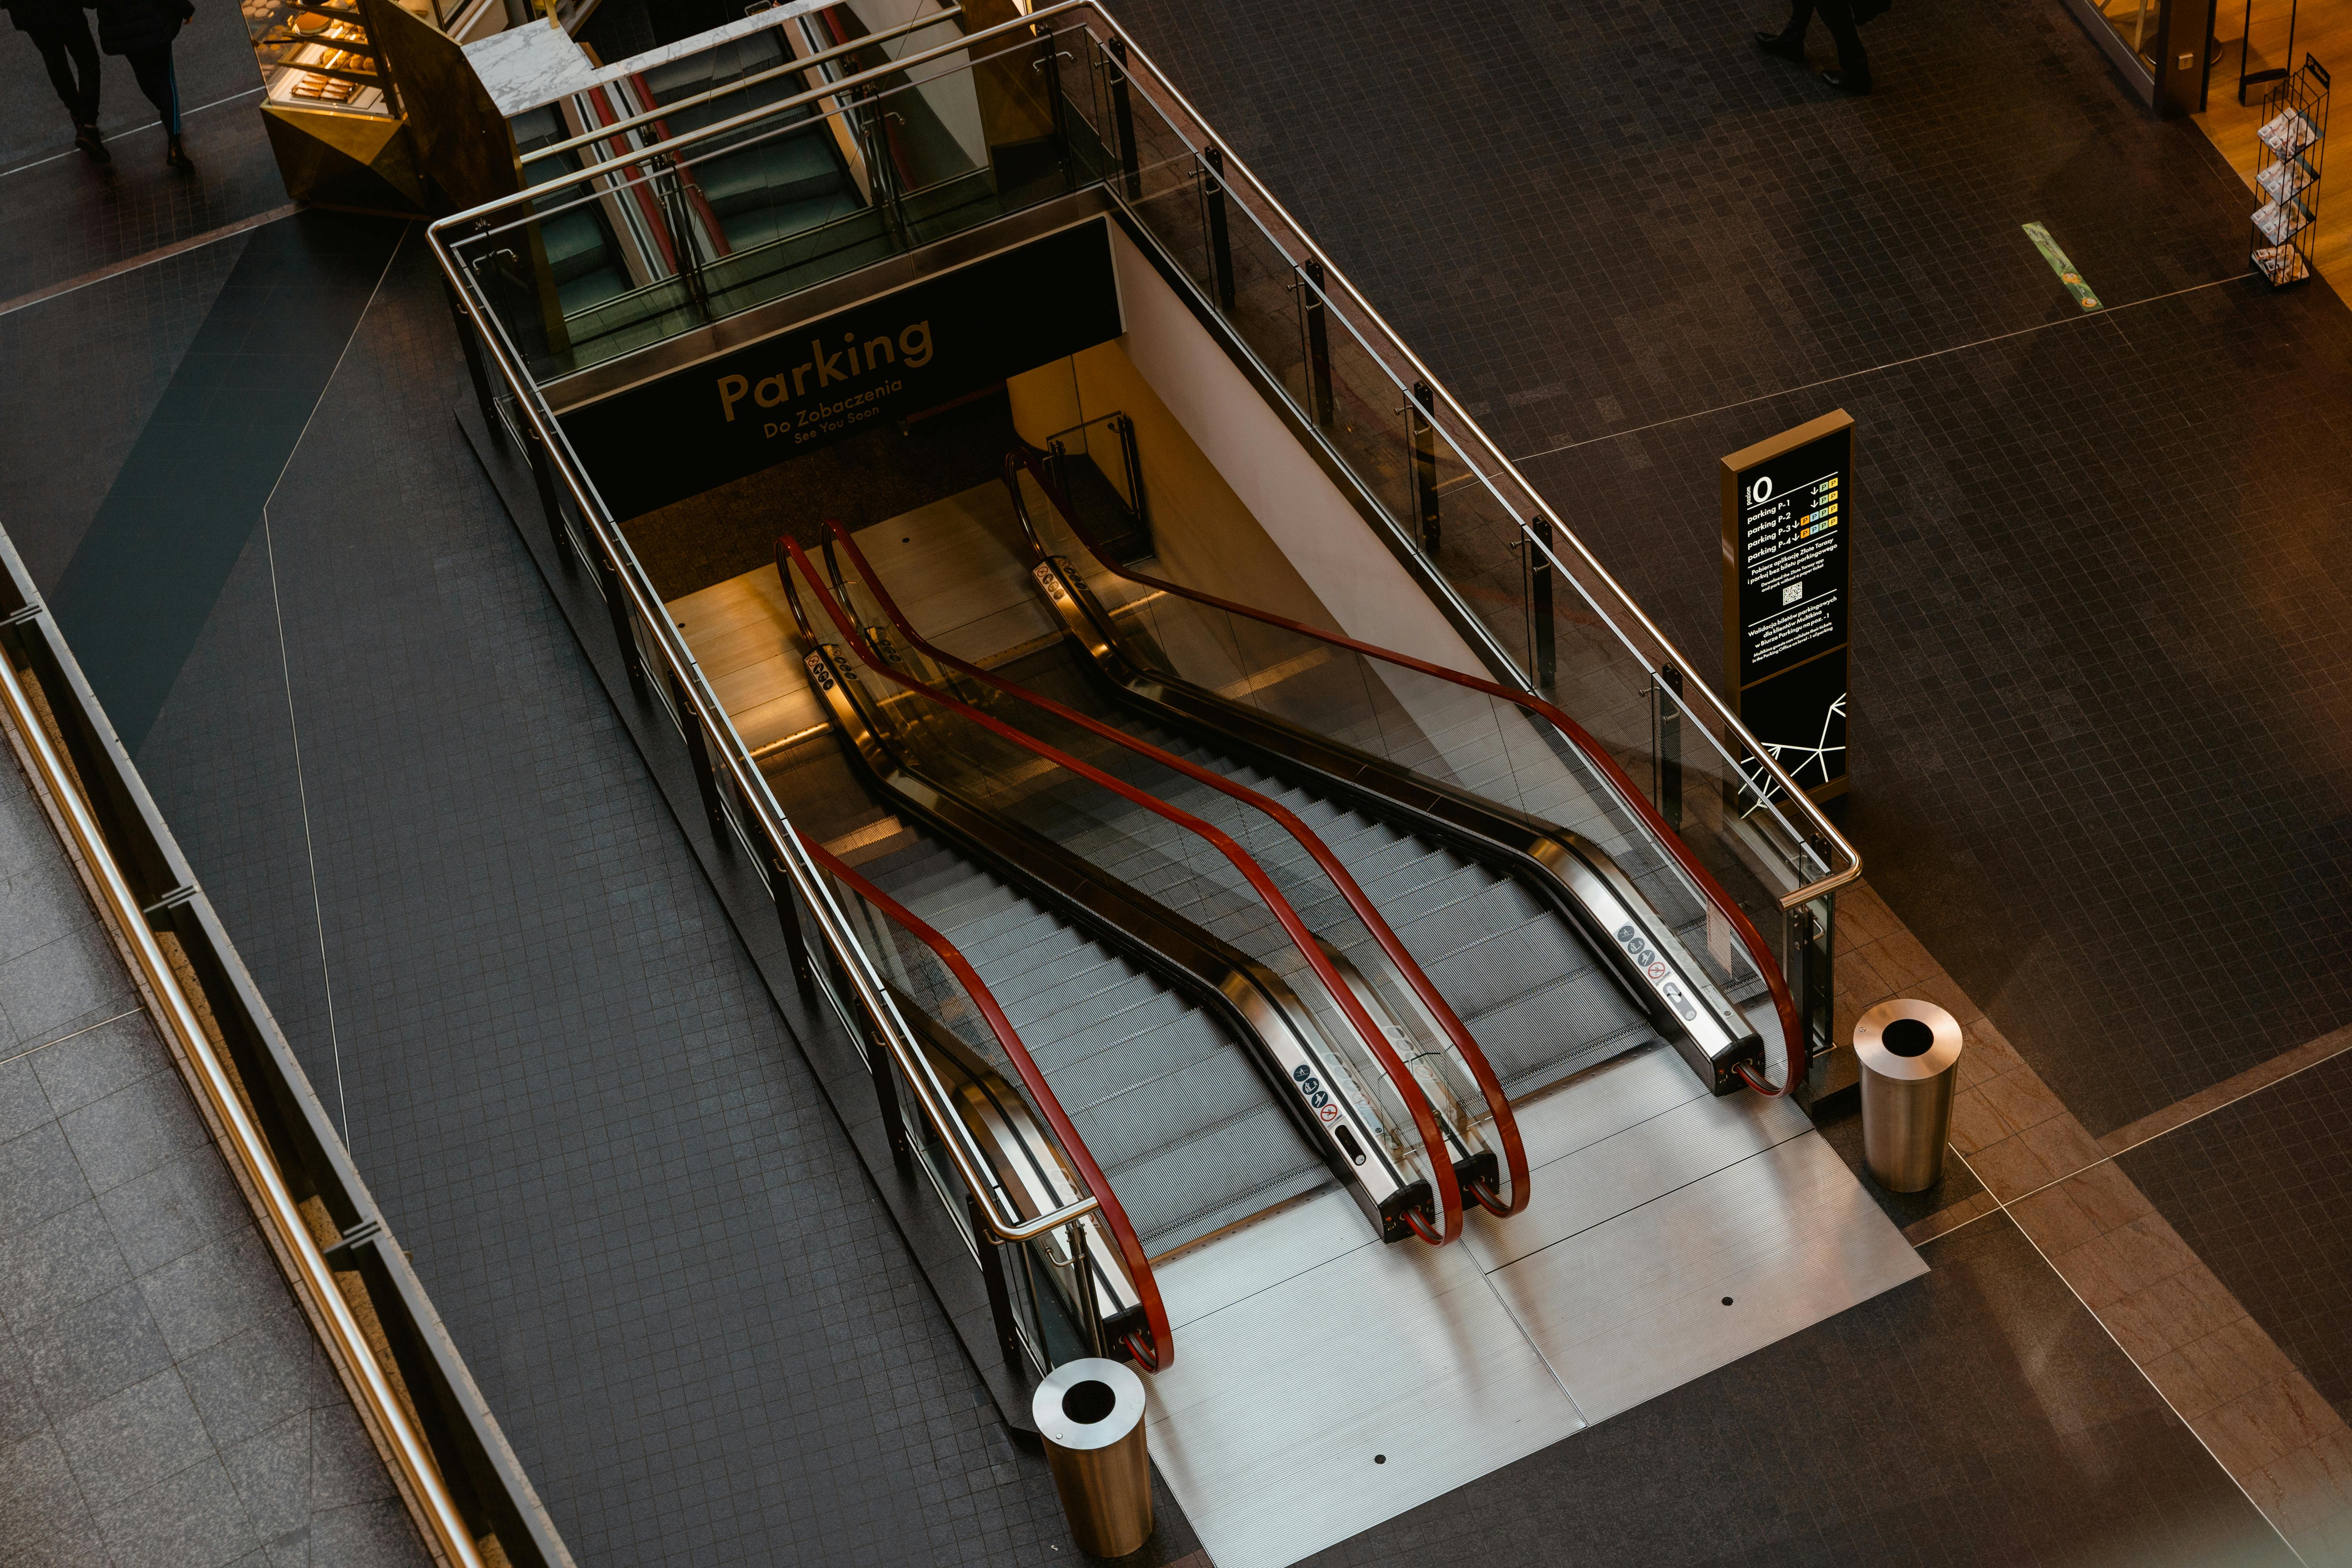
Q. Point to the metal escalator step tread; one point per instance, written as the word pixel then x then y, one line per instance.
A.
pixel 1095 988
pixel 1031 989
pixel 1540 1071
pixel 1499 963
pixel 1182 1191
pixel 1068 1038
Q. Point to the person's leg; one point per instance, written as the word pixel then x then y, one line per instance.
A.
pixel 1853 66
pixel 153 69
pixel 1788 43
pixel 84 51
pixel 53 46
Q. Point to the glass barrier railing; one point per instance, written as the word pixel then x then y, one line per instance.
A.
pixel 1172 854
pixel 659 204
pixel 1443 1057
pixel 1083 1288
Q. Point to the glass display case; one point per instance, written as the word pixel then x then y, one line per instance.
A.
pixel 319 56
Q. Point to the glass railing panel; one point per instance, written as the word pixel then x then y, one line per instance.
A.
pixel 1176 866
pixel 1279 850
pixel 1454 734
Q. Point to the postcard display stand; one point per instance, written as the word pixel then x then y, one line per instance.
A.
pixel 2293 132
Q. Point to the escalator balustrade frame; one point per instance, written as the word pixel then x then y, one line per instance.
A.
pixel 998 1118
pixel 1574 876
pixel 1475 1167
pixel 1256 1004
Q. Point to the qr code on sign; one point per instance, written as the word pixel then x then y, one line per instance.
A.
pixel 1792 593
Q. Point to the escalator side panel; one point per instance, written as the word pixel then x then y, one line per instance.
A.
pixel 1254 1004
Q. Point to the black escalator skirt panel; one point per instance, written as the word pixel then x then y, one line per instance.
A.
pixel 1574 877
pixel 1211 975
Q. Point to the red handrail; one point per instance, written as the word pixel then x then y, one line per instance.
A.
pixel 1163 1352
pixel 1792 1029
pixel 1505 1124
pixel 1449 1194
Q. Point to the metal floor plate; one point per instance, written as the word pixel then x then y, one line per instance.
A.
pixel 1325 1382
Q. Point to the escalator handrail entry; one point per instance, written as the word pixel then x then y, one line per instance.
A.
pixel 1627 792
pixel 1499 1104
pixel 1441 1176
pixel 1162 1353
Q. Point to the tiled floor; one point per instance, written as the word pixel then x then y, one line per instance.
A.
pixel 2095 674
pixel 2099 676
pixel 162 1399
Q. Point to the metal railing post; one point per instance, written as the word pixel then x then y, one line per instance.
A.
pixel 1666 744
pixel 706 779
pixel 542 475
pixel 788 915
pixel 1318 345
pixel 1000 1295
pixel 475 370
pixel 617 607
pixel 1057 112
pixel 1082 1265
pixel 1542 637
pixel 1122 114
pixel 1221 244
pixel 1421 412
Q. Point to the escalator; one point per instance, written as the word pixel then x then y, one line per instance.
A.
pixel 1560 949
pixel 1217 1057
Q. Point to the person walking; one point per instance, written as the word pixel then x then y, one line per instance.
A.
pixel 61 33
pixel 142 31
pixel 1841 16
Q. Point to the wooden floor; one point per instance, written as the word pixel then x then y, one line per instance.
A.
pixel 2324 28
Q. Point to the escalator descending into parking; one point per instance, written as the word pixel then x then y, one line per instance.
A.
pixel 1224 1060
pixel 1526 868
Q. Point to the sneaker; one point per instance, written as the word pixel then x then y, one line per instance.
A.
pixel 174 157
pixel 1782 45
pixel 86 138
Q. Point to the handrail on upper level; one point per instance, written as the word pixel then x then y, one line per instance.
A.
pixel 1595 754
pixel 1162 1352
pixel 798 63
pixel 1375 1040
pixel 1499 1104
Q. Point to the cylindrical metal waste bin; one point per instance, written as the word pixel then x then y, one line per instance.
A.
pixel 1091 1414
pixel 1909 1053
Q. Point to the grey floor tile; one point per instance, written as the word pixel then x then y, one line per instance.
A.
pixel 41 901
pixel 173 1209
pixel 255 1380
pixel 38 1177
pixel 205 1296
pixel 81 1357
pixel 344 1467
pixel 23 1106
pixel 21 1415
pixel 365 1536
pixel 271 1471
pixel 44 991
pixel 194 1519
pixel 57 1264
pixel 38 1498
pixel 127 1443
pixel 97 1062
pixel 133 1131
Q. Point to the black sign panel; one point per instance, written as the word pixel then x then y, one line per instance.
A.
pixel 893 355
pixel 1788 530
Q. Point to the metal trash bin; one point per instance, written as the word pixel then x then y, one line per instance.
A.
pixel 1909 1053
pixel 1090 1413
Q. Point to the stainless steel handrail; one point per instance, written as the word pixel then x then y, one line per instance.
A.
pixel 873 995
pixel 796 64
pixel 722 127
pixel 245 1143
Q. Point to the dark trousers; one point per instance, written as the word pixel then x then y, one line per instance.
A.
pixel 1838 16
pixel 153 69
pixel 63 50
